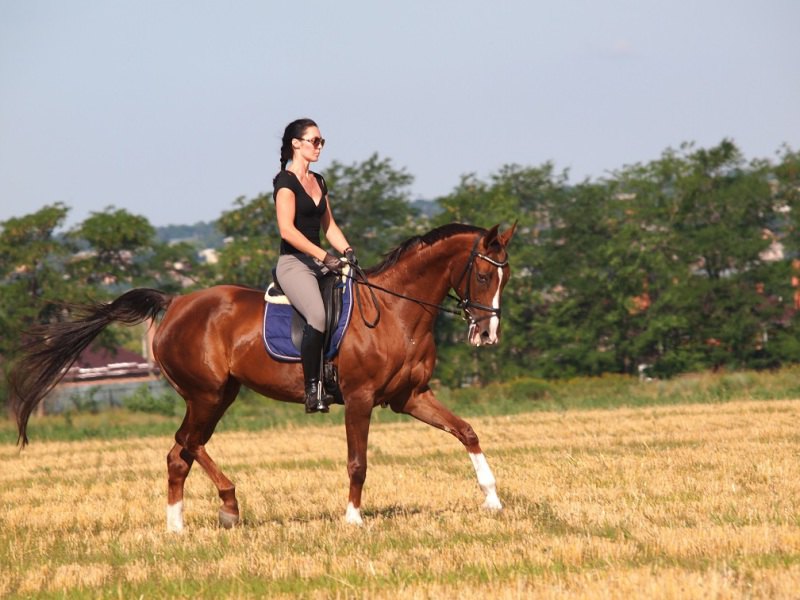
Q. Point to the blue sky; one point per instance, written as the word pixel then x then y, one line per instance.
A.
pixel 172 109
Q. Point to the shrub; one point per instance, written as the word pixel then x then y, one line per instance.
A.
pixel 143 400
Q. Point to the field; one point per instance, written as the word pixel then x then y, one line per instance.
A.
pixel 683 501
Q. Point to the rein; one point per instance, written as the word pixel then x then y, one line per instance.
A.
pixel 463 304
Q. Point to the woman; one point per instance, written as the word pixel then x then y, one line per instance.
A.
pixel 303 207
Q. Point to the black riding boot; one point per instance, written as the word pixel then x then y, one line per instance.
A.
pixel 311 357
pixel 330 387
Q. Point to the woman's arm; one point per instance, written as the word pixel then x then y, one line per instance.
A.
pixel 332 232
pixel 284 208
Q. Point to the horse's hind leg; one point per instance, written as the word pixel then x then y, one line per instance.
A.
pixel 203 412
pixel 428 409
pixel 179 462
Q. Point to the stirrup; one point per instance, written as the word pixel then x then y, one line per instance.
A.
pixel 313 398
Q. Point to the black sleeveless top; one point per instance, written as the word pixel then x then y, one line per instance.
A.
pixel 307 215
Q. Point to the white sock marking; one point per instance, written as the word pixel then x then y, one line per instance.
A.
pixel 486 481
pixel 175 517
pixel 353 515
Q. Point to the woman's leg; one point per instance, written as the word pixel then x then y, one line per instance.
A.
pixel 298 279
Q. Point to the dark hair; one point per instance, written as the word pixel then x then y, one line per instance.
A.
pixel 294 130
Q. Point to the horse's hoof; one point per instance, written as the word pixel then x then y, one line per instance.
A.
pixel 492 504
pixel 353 516
pixel 227 520
pixel 175 517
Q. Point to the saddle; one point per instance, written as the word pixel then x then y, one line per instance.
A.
pixel 283 324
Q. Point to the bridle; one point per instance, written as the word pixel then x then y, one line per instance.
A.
pixel 463 304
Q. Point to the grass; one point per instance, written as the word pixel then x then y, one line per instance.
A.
pixel 674 499
pixel 252 412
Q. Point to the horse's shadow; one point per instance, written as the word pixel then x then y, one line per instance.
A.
pixel 398 512
pixel 391 512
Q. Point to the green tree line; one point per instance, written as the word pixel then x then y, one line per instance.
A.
pixel 683 263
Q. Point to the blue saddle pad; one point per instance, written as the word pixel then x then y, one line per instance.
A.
pixel 277 328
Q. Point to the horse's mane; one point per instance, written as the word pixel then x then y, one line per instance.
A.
pixel 445 231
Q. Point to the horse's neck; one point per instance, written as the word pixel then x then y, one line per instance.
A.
pixel 426 274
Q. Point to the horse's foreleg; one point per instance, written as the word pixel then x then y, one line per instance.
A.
pixel 179 462
pixel 356 418
pixel 486 481
pixel 428 409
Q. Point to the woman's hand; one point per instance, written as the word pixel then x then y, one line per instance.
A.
pixel 333 263
pixel 350 255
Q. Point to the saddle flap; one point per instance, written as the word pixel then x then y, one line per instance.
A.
pixel 283 324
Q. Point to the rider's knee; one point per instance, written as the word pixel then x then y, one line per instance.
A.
pixel 317 321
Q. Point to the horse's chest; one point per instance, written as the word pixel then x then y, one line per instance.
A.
pixel 415 366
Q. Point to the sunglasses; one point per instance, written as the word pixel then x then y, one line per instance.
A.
pixel 317 142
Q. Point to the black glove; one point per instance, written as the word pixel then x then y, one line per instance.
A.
pixel 350 255
pixel 333 263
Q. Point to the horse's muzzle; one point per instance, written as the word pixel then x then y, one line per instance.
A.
pixel 481 335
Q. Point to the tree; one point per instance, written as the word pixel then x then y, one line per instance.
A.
pixel 524 195
pixel 119 250
pixel 710 218
pixel 663 264
pixel 31 274
pixel 252 243
pixel 370 202
pixel 111 241
pixel 785 186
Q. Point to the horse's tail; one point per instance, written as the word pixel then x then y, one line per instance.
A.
pixel 53 348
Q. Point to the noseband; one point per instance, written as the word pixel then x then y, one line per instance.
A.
pixel 465 303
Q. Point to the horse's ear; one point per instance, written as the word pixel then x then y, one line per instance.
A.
pixel 506 236
pixel 490 239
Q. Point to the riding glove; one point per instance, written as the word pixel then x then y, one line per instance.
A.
pixel 333 263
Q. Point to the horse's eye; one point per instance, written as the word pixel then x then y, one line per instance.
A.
pixel 482 278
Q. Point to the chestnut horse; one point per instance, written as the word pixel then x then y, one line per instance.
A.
pixel 209 344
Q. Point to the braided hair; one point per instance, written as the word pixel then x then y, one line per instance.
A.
pixel 294 130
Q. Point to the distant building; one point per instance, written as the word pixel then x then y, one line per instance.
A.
pixel 96 364
pixel 102 378
pixel 209 256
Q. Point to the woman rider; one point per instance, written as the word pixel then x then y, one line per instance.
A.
pixel 303 207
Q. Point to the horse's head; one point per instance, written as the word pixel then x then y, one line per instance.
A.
pixel 481 285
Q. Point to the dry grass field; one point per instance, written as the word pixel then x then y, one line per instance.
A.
pixel 691 501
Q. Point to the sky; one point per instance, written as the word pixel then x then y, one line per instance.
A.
pixel 173 109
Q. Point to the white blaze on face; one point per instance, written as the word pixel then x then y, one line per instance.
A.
pixel 475 335
pixel 494 322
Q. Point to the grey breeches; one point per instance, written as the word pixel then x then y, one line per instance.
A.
pixel 298 275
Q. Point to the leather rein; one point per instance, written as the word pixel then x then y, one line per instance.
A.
pixel 463 305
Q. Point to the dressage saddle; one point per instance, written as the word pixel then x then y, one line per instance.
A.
pixel 332 291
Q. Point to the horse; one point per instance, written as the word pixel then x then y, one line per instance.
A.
pixel 208 345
